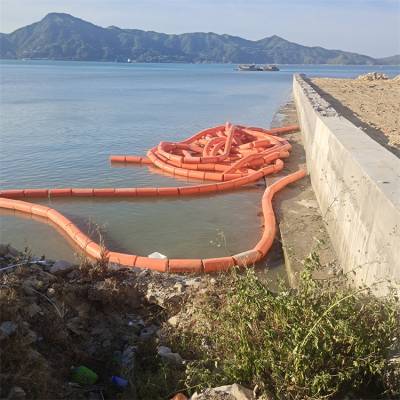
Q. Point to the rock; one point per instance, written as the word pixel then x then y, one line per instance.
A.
pixel 210 394
pixel 7 250
pixel 173 321
pixel 102 331
pixel 16 393
pixel 32 285
pixel 30 337
pixel 47 277
pixel 163 297
pixel 35 356
pixel 25 324
pixel 61 267
pixel 143 273
pixel 73 274
pixel 373 76
pixel 75 325
pixel 33 267
pixel 168 356
pixel 156 254
pixel 228 392
pixel 83 309
pixel 163 350
pixel 33 309
pixel 128 357
pixel 3 250
pixel 179 287
pixel 193 282
pixel 239 392
pixel 137 324
pixel 7 328
pixel 27 288
pixel 147 332
pixel 39 284
pixel 95 396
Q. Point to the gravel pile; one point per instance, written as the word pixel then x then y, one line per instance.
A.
pixel 373 76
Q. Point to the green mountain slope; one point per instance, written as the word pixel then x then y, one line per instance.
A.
pixel 393 60
pixel 64 37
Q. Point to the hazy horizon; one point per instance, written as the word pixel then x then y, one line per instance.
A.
pixel 370 27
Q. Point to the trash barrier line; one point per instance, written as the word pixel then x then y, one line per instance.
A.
pixel 231 156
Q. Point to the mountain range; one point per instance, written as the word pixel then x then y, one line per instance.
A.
pixel 61 36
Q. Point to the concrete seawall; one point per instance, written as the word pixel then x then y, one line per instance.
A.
pixel 357 185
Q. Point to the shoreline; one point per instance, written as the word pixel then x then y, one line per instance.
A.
pixel 202 63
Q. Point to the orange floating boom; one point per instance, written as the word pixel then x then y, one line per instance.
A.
pixel 230 155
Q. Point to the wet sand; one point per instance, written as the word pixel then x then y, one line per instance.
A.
pixel 373 106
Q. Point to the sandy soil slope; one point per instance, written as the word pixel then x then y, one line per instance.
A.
pixel 372 105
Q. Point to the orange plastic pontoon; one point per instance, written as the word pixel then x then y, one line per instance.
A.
pixel 230 155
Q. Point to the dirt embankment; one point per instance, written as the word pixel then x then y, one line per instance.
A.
pixel 57 317
pixel 373 105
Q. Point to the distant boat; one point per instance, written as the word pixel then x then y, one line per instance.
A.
pixel 270 67
pixel 247 67
pixel 124 60
pixel 254 67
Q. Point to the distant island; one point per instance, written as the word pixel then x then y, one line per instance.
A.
pixel 64 37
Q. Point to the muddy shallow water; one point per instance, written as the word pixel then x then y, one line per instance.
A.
pixel 61 120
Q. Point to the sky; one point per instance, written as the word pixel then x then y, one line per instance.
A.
pixel 370 27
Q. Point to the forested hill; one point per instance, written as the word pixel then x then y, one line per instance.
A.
pixel 64 37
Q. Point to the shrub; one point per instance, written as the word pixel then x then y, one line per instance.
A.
pixel 318 341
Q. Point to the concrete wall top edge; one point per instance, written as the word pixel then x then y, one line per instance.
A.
pixel 381 166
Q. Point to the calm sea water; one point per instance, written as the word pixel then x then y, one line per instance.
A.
pixel 61 120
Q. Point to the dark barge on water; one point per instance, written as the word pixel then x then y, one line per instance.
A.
pixel 254 67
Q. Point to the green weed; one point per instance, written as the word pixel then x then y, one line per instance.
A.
pixel 321 340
